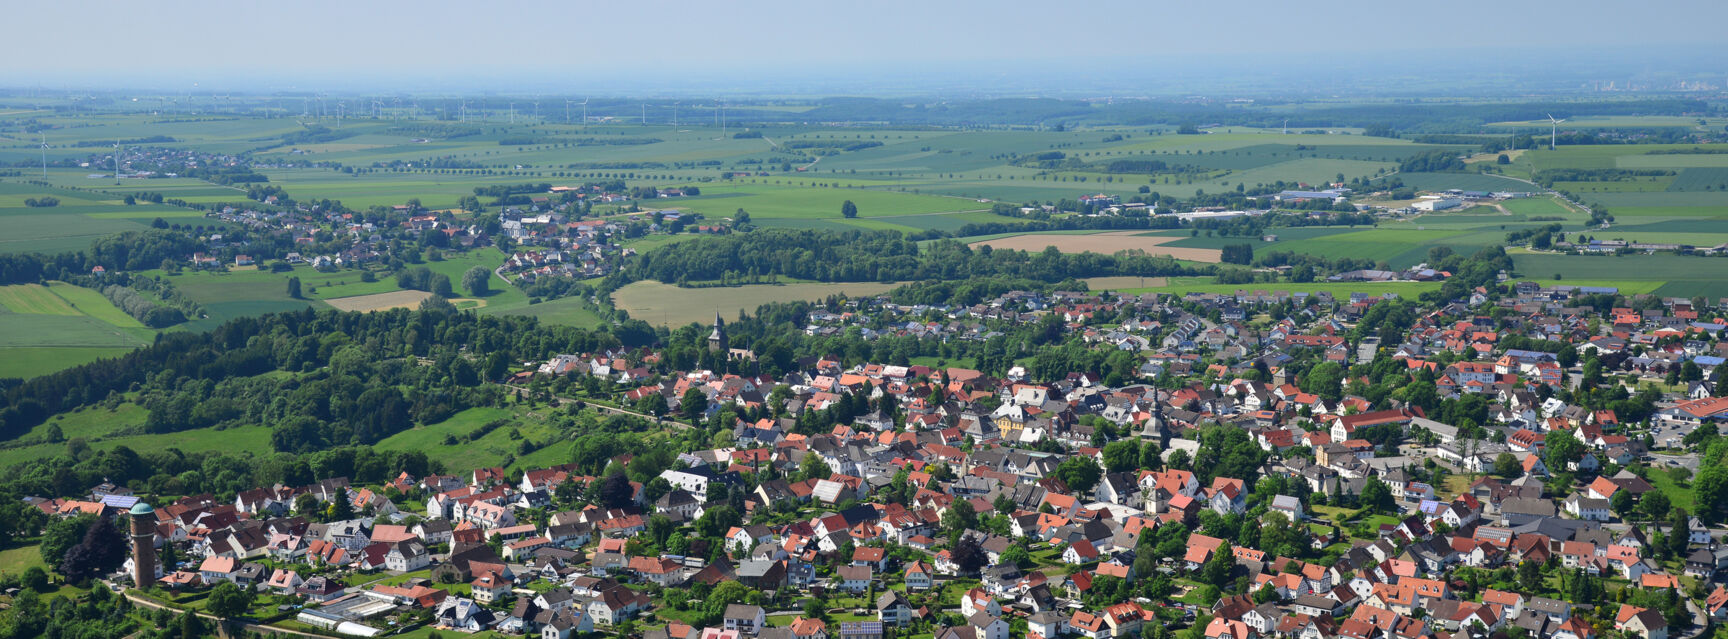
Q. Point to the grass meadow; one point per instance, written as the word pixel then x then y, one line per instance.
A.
pixel 665 304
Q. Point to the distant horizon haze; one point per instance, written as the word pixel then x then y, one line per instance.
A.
pixel 776 47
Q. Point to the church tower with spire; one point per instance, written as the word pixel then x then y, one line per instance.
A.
pixel 717 340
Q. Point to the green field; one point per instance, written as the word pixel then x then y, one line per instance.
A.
pixel 796 175
pixel 34 299
pixel 1463 181
pixel 30 361
pixel 569 311
pixel 14 561
pixel 239 293
pixel 489 450
pixel 80 218
pixel 245 438
pixel 668 305
pixel 48 328
pixel 1683 276
pixel 1184 285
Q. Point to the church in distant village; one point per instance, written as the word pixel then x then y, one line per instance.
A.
pixel 717 340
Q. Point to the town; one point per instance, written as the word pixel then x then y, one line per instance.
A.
pixel 1210 489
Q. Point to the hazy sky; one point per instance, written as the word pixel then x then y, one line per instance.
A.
pixel 281 43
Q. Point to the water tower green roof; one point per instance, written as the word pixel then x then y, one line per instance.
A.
pixel 142 508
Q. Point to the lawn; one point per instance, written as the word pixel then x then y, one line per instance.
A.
pixel 1678 496
pixel 14 561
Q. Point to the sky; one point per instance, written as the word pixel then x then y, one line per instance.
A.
pixel 574 43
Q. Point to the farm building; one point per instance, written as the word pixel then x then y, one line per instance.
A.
pixel 1437 204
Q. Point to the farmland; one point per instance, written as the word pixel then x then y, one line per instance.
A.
pixel 665 304
pixel 47 328
pixel 379 301
pixel 1678 275
pixel 908 179
pixel 569 311
pixel 79 218
pixel 1105 243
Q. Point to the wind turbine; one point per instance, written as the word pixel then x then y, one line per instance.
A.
pixel 117 150
pixel 44 153
pixel 1286 126
pixel 675 114
pixel 1553 131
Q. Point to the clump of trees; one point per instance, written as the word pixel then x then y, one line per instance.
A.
pixel 142 308
pixel 420 278
pixel 1237 254
pixel 1441 161
pixel 478 281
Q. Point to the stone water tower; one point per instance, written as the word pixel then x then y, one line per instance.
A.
pixel 143 545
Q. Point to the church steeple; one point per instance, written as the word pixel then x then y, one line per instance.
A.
pixel 717 339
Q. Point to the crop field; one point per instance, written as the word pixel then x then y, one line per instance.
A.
pixel 1184 285
pixel 1699 187
pixel 47 328
pixel 797 176
pixel 1679 275
pixel 1120 282
pixel 1702 179
pixel 1105 243
pixel 379 301
pixel 1188 239
pixel 80 218
pixel 1536 206
pixel 34 299
pixel 665 304
pixel 768 202
pixel 30 361
pixel 1463 181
